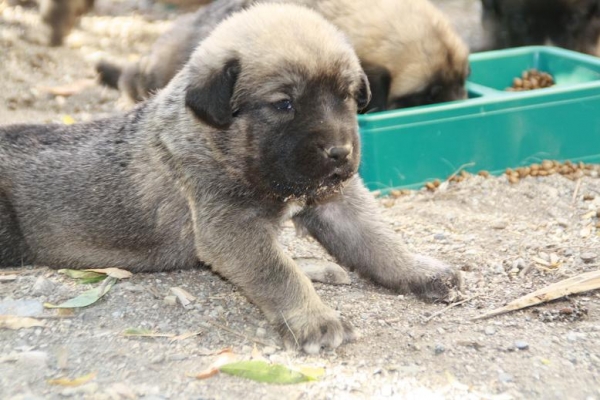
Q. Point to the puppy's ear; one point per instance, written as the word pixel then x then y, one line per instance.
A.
pixel 380 80
pixel 210 100
pixel 363 97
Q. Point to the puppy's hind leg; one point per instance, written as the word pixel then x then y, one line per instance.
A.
pixel 12 244
pixel 352 231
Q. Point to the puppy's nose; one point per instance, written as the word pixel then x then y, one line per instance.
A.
pixel 339 153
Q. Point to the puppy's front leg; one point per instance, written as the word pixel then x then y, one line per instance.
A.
pixel 351 229
pixel 242 246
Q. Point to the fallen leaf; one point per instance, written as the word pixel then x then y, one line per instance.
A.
pixel 226 356
pixel 84 277
pixel 7 278
pixel 142 332
pixel 73 382
pixel 114 272
pixel 68 120
pixel 15 322
pixel 262 371
pixel 577 284
pixel 88 297
pixel 68 89
pixel 184 297
pixel 541 261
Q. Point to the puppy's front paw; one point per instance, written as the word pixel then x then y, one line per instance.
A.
pixel 315 330
pixel 436 280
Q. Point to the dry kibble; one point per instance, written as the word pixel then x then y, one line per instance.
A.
pixel 485 174
pixel 513 178
pixel 588 197
pixel 531 79
pixel 436 183
pixel 430 186
pixel 395 193
pixel 547 165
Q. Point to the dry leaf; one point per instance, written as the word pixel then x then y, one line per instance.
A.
pixel 14 322
pixel 68 89
pixel 226 356
pixel 68 120
pixel 577 284
pixel 184 297
pixel 73 382
pixel 541 261
pixel 7 278
pixel 114 272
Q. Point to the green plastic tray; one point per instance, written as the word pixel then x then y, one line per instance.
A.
pixel 493 129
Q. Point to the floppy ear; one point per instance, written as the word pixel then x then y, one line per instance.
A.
pixel 363 97
pixel 379 81
pixel 210 100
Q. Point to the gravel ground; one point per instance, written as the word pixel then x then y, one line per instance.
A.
pixel 509 239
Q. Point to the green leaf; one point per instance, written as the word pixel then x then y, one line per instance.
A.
pixel 92 280
pixel 88 297
pixel 77 274
pixel 262 371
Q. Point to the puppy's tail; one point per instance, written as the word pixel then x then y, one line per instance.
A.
pixel 109 74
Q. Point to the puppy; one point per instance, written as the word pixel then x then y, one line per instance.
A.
pixel 572 24
pixel 62 15
pixel 408 48
pixel 256 128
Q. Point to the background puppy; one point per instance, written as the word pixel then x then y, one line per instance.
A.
pixel 572 24
pixel 255 128
pixel 408 48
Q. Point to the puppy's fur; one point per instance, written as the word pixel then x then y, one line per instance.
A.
pixel 408 49
pixel 572 24
pixel 255 128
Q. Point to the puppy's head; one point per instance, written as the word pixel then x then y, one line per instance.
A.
pixel 420 58
pixel 275 91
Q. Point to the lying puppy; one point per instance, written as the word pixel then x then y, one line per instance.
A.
pixel 408 48
pixel 256 128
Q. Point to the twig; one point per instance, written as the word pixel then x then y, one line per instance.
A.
pixel 470 164
pixel 291 331
pixel 576 191
pixel 256 340
pixel 443 310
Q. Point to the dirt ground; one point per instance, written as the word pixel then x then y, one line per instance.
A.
pixel 508 239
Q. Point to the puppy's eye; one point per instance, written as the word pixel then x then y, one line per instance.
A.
pixel 283 105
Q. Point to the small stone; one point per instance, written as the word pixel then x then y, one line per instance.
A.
pixel 268 350
pixel 439 349
pixel 568 252
pixel 518 264
pixel 588 257
pixel 490 330
pixel 575 336
pixel 261 332
pixel 170 300
pixel 439 236
pixel 505 378
pixel 498 269
pixel 521 345
pixel 157 359
pixel 43 287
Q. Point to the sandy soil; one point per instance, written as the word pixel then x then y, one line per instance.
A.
pixel 509 239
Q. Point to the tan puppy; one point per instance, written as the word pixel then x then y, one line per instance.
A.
pixel 408 48
pixel 256 128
